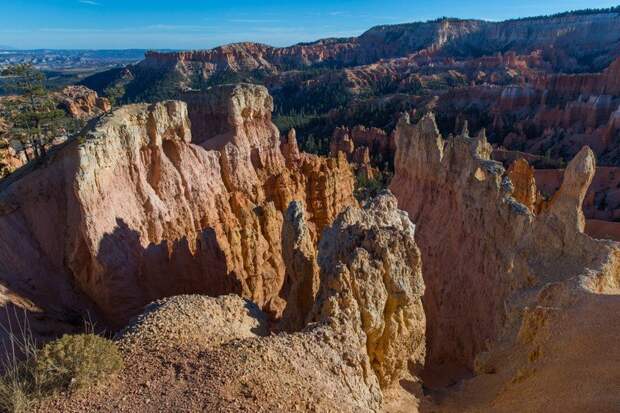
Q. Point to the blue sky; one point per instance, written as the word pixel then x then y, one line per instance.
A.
pixel 185 24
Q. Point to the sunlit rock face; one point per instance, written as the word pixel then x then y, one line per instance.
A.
pixel 82 103
pixel 135 210
pixel 487 250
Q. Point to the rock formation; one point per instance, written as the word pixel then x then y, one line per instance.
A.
pixel 348 139
pixel 522 177
pixel 82 103
pixel 544 113
pixel 146 213
pixel 385 58
pixel 302 270
pixel 368 324
pixel 371 282
pixel 500 279
pixel 439 37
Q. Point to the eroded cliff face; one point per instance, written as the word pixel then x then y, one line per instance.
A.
pixel 146 213
pixel 562 39
pixel 543 113
pixel 493 267
pixel 386 59
pixel 363 326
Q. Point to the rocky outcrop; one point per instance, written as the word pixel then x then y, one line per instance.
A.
pixel 523 180
pixel 371 285
pixel 357 144
pixel 602 201
pixel 348 139
pixel 490 263
pixel 302 269
pixel 146 213
pixel 82 103
pixel 367 325
pixel 341 142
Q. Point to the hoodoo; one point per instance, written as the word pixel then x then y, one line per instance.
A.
pixel 502 281
pixel 363 330
pixel 147 213
pixel 310 227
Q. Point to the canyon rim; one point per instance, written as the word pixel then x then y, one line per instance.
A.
pixel 421 218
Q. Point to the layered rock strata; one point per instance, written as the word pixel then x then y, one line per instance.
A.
pixel 135 211
pixel 562 39
pixel 82 103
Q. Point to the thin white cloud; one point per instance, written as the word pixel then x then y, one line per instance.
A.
pixel 89 2
pixel 171 27
pixel 250 21
pixel 70 30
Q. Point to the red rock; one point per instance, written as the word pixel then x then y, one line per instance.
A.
pixel 147 213
pixel 83 103
pixel 483 251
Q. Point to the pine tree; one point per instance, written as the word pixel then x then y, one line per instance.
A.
pixel 34 116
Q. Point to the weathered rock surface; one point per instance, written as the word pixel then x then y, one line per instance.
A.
pixel 371 284
pixel 82 103
pixel 368 325
pixel 500 279
pixel 145 213
pixel 357 144
pixel 522 177
pixel 543 113
pixel 563 36
pixel 302 270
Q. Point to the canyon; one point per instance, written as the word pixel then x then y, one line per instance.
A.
pixel 256 258
pixel 442 38
pixel 419 219
pixel 541 87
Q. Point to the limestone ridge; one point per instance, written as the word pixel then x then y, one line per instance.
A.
pixel 147 213
pixel 487 257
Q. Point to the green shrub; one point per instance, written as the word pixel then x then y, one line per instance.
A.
pixel 67 364
pixel 76 361
pixel 367 188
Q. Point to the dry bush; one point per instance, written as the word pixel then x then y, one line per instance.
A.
pixel 69 363
pixel 76 361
